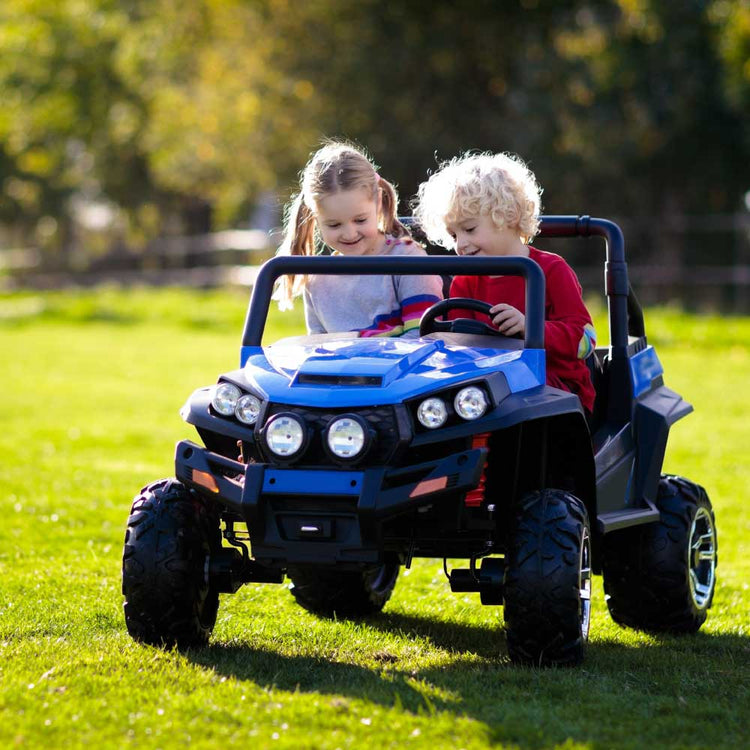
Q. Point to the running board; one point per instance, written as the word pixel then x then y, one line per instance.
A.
pixel 623 519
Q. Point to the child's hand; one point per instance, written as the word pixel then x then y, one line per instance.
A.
pixel 508 320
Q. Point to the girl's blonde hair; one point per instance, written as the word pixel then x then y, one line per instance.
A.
pixel 336 167
pixel 500 186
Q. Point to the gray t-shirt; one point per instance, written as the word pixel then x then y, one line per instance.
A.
pixel 372 305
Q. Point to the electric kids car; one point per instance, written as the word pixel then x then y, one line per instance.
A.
pixel 334 461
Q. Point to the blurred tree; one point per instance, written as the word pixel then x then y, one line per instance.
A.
pixel 69 124
pixel 731 24
pixel 621 106
pixel 646 100
pixel 225 117
pixel 241 92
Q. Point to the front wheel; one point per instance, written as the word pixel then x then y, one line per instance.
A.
pixel 547 584
pixel 346 593
pixel 661 577
pixel 170 535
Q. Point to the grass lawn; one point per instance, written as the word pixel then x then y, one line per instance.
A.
pixel 92 384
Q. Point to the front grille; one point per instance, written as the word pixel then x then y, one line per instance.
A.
pixel 382 419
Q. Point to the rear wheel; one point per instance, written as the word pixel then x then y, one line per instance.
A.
pixel 661 577
pixel 170 535
pixel 547 585
pixel 347 593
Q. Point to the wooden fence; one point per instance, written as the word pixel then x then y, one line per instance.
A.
pixel 661 263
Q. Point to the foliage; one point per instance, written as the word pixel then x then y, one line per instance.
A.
pixel 731 22
pixel 104 374
pixel 167 107
pixel 651 99
pixel 69 123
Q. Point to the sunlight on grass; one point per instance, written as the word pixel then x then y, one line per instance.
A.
pixel 94 383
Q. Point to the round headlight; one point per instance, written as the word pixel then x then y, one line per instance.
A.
pixel 284 434
pixel 432 413
pixel 224 398
pixel 471 402
pixel 346 437
pixel 247 409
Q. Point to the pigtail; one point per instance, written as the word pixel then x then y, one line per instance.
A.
pixel 299 239
pixel 336 167
pixel 391 224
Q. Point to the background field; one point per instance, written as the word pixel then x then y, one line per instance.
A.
pixel 92 384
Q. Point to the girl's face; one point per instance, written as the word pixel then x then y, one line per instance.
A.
pixel 479 236
pixel 348 222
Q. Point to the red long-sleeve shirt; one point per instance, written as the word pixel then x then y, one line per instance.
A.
pixel 569 335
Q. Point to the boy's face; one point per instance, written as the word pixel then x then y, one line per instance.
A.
pixel 478 235
pixel 348 222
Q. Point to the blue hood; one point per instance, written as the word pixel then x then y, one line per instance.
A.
pixel 372 372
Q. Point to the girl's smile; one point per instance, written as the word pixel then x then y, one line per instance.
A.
pixel 348 222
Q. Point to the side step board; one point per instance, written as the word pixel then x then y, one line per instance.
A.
pixel 623 519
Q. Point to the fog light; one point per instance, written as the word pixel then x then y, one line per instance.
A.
pixel 247 409
pixel 346 437
pixel 471 402
pixel 284 434
pixel 224 398
pixel 432 413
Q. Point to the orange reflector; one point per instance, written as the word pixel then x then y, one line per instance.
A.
pixel 204 479
pixel 429 485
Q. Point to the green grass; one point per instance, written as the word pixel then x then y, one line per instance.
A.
pixel 92 384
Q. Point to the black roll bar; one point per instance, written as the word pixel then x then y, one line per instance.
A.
pixel 408 265
pixel 625 314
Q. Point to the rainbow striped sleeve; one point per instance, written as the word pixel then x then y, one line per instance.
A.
pixel 412 309
pixel 387 324
pixel 399 322
pixel 587 344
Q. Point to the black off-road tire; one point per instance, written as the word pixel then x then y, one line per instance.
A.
pixel 169 538
pixel 547 585
pixel 345 593
pixel 661 577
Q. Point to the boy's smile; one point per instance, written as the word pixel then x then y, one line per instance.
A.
pixel 478 235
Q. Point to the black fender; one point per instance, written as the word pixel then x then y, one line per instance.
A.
pixel 654 413
pixel 543 435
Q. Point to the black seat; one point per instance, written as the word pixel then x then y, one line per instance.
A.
pixel 430 249
pixel 598 371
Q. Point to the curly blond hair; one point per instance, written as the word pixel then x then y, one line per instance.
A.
pixel 500 186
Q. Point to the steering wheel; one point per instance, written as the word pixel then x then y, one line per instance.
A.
pixel 429 324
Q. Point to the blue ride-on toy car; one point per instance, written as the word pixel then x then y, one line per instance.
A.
pixel 334 460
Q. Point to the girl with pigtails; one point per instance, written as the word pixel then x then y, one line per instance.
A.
pixel 343 203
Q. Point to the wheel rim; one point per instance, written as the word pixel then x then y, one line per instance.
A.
pixel 702 562
pixel 584 583
pixel 382 577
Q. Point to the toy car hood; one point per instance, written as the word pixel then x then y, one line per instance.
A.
pixel 378 371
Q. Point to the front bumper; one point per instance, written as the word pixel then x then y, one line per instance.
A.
pixel 310 515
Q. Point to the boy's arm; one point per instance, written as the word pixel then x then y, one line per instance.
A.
pixel 568 331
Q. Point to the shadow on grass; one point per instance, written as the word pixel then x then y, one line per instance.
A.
pixel 389 682
pixel 454 637
pixel 622 683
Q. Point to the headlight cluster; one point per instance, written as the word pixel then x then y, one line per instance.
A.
pixel 469 403
pixel 346 437
pixel 229 401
